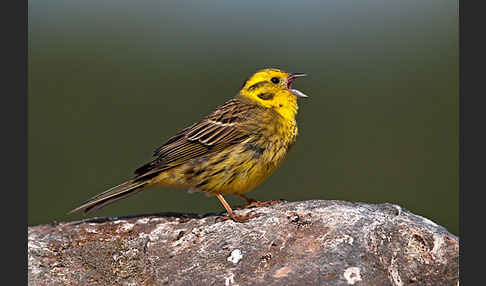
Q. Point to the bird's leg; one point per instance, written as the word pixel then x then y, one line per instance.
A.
pixel 247 199
pixel 231 214
pixel 254 203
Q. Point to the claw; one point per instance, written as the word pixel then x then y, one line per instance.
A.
pixel 238 218
pixel 256 204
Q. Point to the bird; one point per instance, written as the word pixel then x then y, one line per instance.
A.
pixel 230 151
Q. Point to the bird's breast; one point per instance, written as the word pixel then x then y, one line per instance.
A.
pixel 241 167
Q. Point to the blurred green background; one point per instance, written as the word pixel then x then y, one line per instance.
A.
pixel 109 81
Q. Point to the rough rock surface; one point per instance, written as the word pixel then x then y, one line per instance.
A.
pixel 291 243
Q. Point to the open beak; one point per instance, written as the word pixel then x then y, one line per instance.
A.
pixel 291 78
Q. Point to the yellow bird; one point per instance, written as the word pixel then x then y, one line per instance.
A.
pixel 231 151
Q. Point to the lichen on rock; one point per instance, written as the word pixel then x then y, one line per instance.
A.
pixel 291 243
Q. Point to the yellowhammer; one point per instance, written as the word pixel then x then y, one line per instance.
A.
pixel 230 151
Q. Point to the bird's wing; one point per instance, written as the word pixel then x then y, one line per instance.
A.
pixel 226 126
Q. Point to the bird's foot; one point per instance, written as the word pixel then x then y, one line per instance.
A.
pixel 256 204
pixel 238 218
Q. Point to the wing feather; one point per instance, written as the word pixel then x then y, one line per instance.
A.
pixel 223 127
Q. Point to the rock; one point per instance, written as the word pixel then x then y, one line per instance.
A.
pixel 291 243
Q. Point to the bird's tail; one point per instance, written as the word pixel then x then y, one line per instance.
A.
pixel 110 196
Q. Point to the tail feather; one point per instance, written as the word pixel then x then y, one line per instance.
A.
pixel 110 196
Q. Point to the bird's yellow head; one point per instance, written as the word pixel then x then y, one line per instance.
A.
pixel 271 88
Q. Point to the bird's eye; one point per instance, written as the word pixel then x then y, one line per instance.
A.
pixel 275 80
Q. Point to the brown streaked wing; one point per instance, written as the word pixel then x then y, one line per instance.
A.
pixel 215 132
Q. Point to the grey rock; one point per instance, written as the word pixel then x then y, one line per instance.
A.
pixel 291 243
